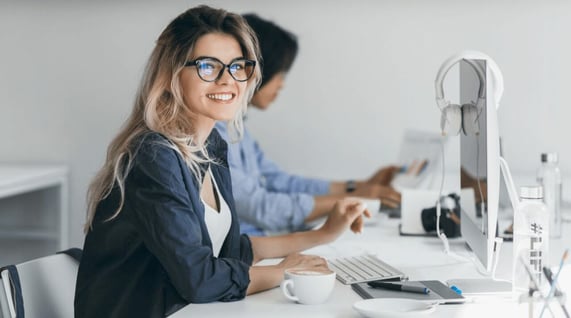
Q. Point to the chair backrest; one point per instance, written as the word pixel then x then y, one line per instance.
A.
pixel 4 311
pixel 47 287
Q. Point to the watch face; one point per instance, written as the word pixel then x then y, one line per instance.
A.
pixel 351 185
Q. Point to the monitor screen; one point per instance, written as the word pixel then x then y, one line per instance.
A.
pixel 479 169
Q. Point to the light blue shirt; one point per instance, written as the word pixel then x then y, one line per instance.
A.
pixel 267 198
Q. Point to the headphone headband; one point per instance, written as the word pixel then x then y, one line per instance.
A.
pixel 497 77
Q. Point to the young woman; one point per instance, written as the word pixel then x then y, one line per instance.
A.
pixel 269 199
pixel 161 227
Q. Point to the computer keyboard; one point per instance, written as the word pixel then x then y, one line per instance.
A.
pixel 363 268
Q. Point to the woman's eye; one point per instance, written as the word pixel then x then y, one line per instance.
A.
pixel 237 67
pixel 207 67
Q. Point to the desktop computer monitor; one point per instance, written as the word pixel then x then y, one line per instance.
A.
pixel 479 169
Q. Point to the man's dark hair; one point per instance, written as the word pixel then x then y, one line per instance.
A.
pixel 278 47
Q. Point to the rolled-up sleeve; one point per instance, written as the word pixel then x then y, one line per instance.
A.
pixel 171 230
pixel 246 251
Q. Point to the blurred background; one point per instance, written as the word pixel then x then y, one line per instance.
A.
pixel 364 75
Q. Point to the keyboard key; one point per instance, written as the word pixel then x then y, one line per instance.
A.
pixel 363 268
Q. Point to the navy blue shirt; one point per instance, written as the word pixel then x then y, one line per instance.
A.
pixel 156 255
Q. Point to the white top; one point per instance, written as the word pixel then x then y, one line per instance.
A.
pixel 217 223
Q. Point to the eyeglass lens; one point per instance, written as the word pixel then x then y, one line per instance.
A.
pixel 211 70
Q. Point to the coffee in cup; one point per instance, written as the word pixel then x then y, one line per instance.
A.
pixel 307 286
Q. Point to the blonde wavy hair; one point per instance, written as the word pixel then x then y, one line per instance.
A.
pixel 159 105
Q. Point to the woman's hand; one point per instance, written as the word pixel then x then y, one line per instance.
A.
pixel 310 262
pixel 347 213
pixel 266 277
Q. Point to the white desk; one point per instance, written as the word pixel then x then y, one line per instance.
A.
pixel 34 205
pixel 421 258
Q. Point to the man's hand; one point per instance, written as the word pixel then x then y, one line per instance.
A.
pixel 388 196
pixel 384 176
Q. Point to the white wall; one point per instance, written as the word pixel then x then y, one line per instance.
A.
pixel 69 71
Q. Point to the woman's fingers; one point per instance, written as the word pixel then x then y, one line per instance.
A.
pixel 348 214
pixel 296 260
pixel 357 225
pixel 367 213
pixel 313 261
pixel 358 210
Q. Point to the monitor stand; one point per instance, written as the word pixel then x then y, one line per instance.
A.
pixel 481 287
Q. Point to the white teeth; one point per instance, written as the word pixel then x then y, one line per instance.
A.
pixel 222 97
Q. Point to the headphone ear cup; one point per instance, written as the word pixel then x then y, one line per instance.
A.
pixel 451 120
pixel 470 124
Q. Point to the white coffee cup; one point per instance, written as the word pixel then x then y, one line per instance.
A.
pixel 373 205
pixel 306 286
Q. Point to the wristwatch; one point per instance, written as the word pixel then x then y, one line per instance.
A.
pixel 350 186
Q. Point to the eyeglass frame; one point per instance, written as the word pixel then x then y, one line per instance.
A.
pixel 194 63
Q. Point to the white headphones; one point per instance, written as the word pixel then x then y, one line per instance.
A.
pixel 455 117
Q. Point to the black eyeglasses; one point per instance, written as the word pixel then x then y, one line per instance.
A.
pixel 210 69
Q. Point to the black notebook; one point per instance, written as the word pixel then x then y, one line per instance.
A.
pixel 439 292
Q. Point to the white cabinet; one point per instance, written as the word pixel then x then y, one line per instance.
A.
pixel 34 217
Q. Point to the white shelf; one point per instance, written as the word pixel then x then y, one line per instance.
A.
pixel 29 234
pixel 18 179
pixel 20 186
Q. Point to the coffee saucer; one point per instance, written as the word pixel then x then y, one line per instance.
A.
pixel 393 307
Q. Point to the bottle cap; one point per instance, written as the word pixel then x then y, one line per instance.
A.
pixel 549 157
pixel 531 192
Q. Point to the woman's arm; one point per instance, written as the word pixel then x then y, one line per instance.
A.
pixel 323 204
pixel 347 213
pixel 282 245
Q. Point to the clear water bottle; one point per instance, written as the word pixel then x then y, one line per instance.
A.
pixel 549 177
pixel 530 238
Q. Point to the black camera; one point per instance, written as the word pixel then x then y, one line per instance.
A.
pixel 449 216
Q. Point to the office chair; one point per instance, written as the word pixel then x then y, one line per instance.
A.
pixel 43 287
pixel 4 312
